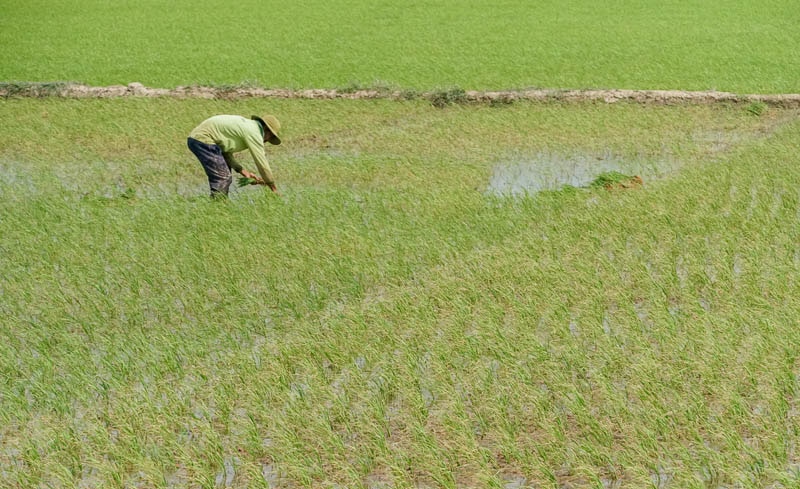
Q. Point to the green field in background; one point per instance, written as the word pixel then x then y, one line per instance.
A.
pixel 733 45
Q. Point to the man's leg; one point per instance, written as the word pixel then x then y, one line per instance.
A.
pixel 215 166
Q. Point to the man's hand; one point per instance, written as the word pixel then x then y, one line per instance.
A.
pixel 247 174
pixel 274 189
pixel 271 185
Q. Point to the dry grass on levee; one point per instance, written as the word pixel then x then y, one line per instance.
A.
pixel 400 318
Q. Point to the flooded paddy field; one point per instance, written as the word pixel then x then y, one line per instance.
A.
pixel 417 310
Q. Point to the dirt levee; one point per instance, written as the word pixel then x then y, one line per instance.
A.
pixel 71 90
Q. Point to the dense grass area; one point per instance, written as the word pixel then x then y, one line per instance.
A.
pixel 733 45
pixel 390 322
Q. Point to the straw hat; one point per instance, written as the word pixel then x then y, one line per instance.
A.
pixel 271 123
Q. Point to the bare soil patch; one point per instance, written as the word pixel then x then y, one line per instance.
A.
pixel 656 97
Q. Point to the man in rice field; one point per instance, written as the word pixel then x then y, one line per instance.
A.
pixel 217 138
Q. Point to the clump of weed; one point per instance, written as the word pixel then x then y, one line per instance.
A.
pixel 228 91
pixel 245 181
pixel 757 108
pixel 30 89
pixel 446 97
pixel 379 86
pixel 615 179
pixel 503 100
pixel 352 87
pixel 409 94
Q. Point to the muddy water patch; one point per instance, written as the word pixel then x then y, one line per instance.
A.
pixel 530 174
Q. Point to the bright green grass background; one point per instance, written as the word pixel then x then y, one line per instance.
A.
pixel 388 323
pixel 732 45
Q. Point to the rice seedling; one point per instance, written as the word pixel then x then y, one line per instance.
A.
pixel 391 322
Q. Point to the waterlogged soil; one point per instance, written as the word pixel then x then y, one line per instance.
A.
pixel 514 174
pixel 16 184
pixel 525 175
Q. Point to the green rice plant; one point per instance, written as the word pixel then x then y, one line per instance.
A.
pixel 757 108
pixel 737 46
pixel 612 179
pixel 389 321
pixel 245 181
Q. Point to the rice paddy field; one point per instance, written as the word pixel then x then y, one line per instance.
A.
pixel 729 45
pixel 469 295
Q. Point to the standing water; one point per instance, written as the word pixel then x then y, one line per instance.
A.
pixel 551 171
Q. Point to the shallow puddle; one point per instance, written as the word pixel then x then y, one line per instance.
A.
pixel 14 181
pixel 551 171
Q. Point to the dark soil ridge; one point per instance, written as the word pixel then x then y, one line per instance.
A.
pixel 440 97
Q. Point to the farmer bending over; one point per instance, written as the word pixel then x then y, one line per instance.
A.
pixel 216 139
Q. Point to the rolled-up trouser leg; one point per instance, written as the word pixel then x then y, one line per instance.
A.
pixel 217 169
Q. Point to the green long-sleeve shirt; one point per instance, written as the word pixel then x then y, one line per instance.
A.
pixel 234 133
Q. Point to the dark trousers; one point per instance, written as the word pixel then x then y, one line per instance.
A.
pixel 217 169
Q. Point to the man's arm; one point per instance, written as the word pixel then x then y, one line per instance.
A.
pixel 237 167
pixel 232 163
pixel 257 150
